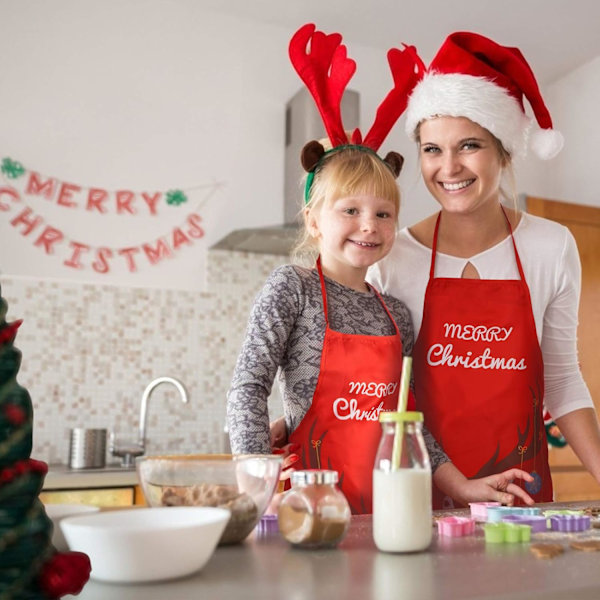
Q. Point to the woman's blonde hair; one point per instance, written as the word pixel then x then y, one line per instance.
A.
pixel 510 194
pixel 349 171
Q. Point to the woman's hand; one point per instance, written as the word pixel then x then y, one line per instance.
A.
pixel 500 487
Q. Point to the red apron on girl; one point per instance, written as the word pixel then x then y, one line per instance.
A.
pixel 359 377
pixel 479 377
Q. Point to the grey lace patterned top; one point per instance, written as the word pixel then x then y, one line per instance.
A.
pixel 286 331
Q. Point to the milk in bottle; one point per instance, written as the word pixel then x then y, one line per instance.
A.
pixel 402 485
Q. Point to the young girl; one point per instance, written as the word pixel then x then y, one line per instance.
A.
pixel 494 293
pixel 337 342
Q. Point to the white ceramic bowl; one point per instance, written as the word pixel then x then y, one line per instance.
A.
pixel 57 512
pixel 146 544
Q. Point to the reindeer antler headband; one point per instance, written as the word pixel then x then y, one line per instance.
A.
pixel 326 70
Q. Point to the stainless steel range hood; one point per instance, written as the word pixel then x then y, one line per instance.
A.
pixel 302 124
pixel 277 240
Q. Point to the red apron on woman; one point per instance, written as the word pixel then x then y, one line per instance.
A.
pixel 479 377
pixel 359 377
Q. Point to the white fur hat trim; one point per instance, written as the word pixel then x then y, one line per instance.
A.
pixel 478 99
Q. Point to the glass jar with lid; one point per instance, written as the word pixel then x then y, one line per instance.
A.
pixel 402 485
pixel 314 513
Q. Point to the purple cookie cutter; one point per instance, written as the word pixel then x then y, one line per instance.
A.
pixel 267 526
pixel 570 522
pixel 537 522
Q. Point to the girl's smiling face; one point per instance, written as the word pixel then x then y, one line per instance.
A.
pixel 461 164
pixel 353 233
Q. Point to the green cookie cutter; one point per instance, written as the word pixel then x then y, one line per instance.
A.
pixel 506 533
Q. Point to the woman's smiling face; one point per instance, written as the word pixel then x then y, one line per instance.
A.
pixel 460 163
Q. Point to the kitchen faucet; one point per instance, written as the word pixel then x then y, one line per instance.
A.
pixel 129 450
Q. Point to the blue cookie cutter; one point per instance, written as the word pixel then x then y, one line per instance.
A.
pixel 495 514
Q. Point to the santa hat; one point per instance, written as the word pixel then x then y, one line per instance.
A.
pixel 472 76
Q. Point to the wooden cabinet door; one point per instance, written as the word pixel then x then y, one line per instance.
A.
pixel 103 497
pixel 571 480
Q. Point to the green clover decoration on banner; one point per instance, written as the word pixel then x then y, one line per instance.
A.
pixel 11 168
pixel 176 197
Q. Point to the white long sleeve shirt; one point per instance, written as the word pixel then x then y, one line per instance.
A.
pixel 553 273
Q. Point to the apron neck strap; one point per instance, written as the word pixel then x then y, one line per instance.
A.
pixel 434 245
pixel 512 237
pixel 377 294
pixel 435 240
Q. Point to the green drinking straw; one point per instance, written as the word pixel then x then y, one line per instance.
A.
pixel 402 402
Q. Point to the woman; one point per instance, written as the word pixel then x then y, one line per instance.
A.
pixel 493 293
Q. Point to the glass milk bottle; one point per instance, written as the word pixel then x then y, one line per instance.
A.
pixel 402 485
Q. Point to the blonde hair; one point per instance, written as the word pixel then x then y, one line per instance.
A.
pixel 349 171
pixel 510 194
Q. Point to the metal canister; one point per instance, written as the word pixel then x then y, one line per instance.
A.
pixel 87 448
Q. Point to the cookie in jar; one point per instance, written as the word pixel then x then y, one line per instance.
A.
pixel 314 513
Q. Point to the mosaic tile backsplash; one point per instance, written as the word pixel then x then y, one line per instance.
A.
pixel 89 352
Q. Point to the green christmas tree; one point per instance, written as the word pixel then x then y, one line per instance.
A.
pixel 30 567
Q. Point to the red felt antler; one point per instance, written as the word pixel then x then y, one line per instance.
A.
pixel 407 70
pixel 326 71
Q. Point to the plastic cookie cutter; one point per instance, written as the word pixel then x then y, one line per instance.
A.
pixel 570 522
pixel 506 533
pixel 497 513
pixel 479 509
pixel 456 526
pixel 536 522
pixel 551 513
pixel 267 526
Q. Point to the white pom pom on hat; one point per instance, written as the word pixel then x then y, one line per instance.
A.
pixel 546 143
pixel 472 76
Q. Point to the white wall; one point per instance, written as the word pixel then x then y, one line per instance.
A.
pixel 573 102
pixel 154 95
pixel 142 95
pixel 149 95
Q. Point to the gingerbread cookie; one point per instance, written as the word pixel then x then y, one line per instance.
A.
pixel 546 550
pixel 586 545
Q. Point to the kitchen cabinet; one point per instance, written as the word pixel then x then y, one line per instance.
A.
pixel 570 479
pixel 108 487
pixel 103 497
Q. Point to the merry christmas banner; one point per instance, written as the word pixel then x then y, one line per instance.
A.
pixel 95 229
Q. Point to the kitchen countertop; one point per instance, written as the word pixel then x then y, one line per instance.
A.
pixel 60 477
pixel 267 568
